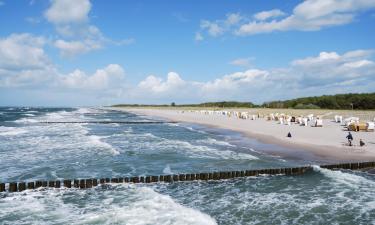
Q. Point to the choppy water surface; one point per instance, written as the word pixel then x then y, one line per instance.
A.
pixel 30 150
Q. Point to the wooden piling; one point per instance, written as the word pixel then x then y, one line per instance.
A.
pixel 107 180
pixel 188 177
pixel 2 187
pixel 210 176
pixel 168 178
pixel 135 179
pixel 82 184
pixel 38 184
pixel 67 183
pixel 57 184
pixel 182 177
pixel 21 186
pixel 102 180
pixel 76 183
pixel 30 185
pixel 161 178
pixel 94 182
pixel 175 177
pixel 142 179
pixel 126 179
pixel 197 176
pixel 148 179
pixel 114 180
pixel 44 183
pixel 13 187
pixel 51 183
pixel 154 179
pixel 120 180
pixel 88 183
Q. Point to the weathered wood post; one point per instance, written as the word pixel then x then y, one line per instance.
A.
pixel 188 177
pixel 182 177
pixel 21 186
pixel 168 178
pixel 57 184
pixel 30 185
pixel 154 179
pixel 68 183
pixel 76 183
pixel 51 183
pixel 44 183
pixel 82 184
pixel 94 182
pixel 126 179
pixel 215 176
pixel 12 187
pixel 38 184
pixel 2 187
pixel 175 177
pixel 148 179
pixel 102 180
pixel 88 183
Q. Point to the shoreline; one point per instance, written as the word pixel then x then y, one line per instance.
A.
pixel 327 151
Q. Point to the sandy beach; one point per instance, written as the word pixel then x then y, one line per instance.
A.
pixel 327 142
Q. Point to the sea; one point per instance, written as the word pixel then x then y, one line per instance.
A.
pixel 31 150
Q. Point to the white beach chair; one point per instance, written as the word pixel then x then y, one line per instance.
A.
pixel 318 123
pixel 370 126
pixel 304 121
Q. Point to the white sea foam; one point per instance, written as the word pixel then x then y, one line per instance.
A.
pixel 347 179
pixel 167 170
pixel 201 151
pixel 130 205
pixel 26 120
pixel 213 141
pixel 96 141
pixel 11 131
pixel 29 114
pixel 149 208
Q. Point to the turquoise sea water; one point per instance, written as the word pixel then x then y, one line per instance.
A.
pixel 30 151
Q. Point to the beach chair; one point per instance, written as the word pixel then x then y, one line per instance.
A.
pixel 370 126
pixel 318 123
pixel 304 121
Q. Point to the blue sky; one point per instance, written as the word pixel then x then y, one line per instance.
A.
pixel 82 52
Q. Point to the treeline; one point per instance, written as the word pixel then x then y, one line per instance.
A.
pixel 139 105
pixel 223 104
pixel 339 101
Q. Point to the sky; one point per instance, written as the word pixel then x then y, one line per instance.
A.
pixel 91 52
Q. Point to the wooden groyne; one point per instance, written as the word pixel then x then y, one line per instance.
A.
pixel 109 122
pixel 90 183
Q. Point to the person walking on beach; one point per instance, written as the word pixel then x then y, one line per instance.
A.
pixel 350 139
pixel 361 143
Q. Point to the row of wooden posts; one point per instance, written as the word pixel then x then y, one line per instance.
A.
pixel 89 183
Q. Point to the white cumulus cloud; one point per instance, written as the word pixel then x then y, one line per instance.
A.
pixel 309 15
